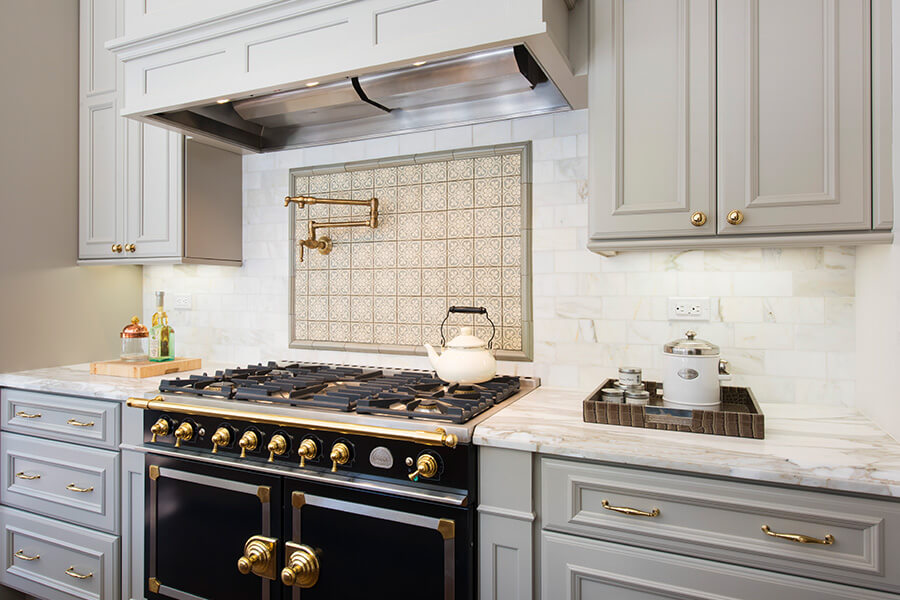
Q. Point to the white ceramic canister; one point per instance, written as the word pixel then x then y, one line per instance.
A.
pixel 692 373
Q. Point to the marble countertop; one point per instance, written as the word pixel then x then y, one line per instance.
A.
pixel 807 445
pixel 76 380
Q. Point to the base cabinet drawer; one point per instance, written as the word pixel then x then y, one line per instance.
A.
pixel 56 561
pixel 64 481
pixel 79 420
pixel 837 538
pixel 575 568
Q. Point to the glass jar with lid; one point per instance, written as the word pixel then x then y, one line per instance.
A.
pixel 134 341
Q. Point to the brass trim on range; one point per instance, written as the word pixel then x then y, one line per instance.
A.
pixel 438 437
pixel 301 567
pixel 264 493
pixel 447 528
pixel 828 540
pixel 153 585
pixel 153 471
pixel 259 557
pixel 626 510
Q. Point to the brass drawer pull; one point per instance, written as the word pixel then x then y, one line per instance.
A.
pixel 72 573
pixel 74 488
pixel 21 554
pixel 800 539
pixel 25 415
pixel 75 423
pixel 22 475
pixel 625 510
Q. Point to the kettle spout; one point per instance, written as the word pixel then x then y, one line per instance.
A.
pixel 433 356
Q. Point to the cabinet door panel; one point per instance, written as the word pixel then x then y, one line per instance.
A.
pixel 99 215
pixel 652 109
pixel 793 115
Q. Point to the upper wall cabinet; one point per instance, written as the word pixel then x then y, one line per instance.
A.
pixel 132 203
pixel 739 122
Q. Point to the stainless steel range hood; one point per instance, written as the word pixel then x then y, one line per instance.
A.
pixel 472 88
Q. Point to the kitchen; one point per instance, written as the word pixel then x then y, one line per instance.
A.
pixel 565 188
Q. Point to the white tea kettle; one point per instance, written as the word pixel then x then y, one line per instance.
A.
pixel 693 371
pixel 466 359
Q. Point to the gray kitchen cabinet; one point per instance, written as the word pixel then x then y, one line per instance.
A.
pixel 739 123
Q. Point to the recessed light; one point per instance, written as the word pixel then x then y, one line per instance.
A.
pixel 223 101
pixel 312 83
pixel 420 63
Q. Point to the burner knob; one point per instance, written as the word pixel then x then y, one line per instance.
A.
pixel 340 454
pixel 277 445
pixel 248 441
pixel 222 437
pixel 184 433
pixel 160 428
pixel 308 451
pixel 426 467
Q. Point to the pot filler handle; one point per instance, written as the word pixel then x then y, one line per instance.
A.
pixel 470 310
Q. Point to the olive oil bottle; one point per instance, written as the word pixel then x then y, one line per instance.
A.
pixel 161 343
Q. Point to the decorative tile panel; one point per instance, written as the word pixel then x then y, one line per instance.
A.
pixel 452 230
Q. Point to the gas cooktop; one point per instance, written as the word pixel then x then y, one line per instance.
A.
pixel 407 394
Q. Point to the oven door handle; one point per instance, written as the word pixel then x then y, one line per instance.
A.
pixel 259 557
pixel 301 566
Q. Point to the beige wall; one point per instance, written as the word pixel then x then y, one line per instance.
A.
pixel 51 311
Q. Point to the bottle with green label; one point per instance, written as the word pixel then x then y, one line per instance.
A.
pixel 161 334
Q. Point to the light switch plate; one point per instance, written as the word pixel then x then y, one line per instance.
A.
pixel 181 301
pixel 682 308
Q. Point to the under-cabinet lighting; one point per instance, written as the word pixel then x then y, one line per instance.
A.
pixel 223 101
pixel 420 63
pixel 312 83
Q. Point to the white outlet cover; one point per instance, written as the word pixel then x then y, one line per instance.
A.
pixel 684 308
pixel 181 301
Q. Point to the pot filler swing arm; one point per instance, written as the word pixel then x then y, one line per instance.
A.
pixel 324 244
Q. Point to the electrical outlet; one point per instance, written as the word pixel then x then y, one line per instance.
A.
pixel 181 301
pixel 688 309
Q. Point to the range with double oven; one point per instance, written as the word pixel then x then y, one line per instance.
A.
pixel 294 480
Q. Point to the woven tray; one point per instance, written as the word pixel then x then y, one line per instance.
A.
pixel 738 416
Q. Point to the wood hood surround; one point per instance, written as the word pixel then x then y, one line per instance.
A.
pixel 176 57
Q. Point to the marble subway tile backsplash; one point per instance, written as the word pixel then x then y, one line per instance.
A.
pixel 785 318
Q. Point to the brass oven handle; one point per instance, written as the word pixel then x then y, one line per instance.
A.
pixel 302 567
pixel 21 554
pixel 75 423
pixel 25 415
pixel 74 488
pixel 72 573
pixel 800 539
pixel 22 475
pixel 259 557
pixel 625 510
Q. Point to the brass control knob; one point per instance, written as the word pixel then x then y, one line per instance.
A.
pixel 426 467
pixel 249 441
pixel 340 454
pixel 277 445
pixel 184 432
pixel 735 217
pixel 259 557
pixel 160 428
pixel 308 451
pixel 222 437
pixel 698 219
pixel 302 568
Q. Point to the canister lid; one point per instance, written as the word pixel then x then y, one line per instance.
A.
pixel 135 329
pixel 690 345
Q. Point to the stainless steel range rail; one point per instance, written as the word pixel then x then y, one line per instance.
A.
pixel 438 437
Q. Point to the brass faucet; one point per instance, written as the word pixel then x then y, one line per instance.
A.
pixel 324 244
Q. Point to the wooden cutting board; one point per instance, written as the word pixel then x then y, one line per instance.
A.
pixel 143 368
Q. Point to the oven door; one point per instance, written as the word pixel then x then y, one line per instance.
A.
pixel 206 526
pixel 352 544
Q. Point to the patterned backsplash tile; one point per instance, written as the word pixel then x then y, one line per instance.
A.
pixel 453 230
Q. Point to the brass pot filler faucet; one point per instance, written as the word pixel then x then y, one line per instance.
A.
pixel 324 245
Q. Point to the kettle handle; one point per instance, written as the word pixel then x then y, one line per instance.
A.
pixel 471 310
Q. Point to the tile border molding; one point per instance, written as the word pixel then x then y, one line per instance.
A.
pixel 524 149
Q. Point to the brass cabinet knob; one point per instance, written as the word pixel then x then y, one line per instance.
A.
pixel 117 248
pixel 184 432
pixel 129 248
pixel 222 437
pixel 698 219
pixel 426 467
pixel 277 445
pixel 302 568
pixel 249 441
pixel 308 451
pixel 160 428
pixel 340 454
pixel 735 217
pixel 259 557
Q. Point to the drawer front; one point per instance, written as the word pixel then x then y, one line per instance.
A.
pixel 80 420
pixel 575 568
pixel 61 480
pixel 724 521
pixel 57 561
